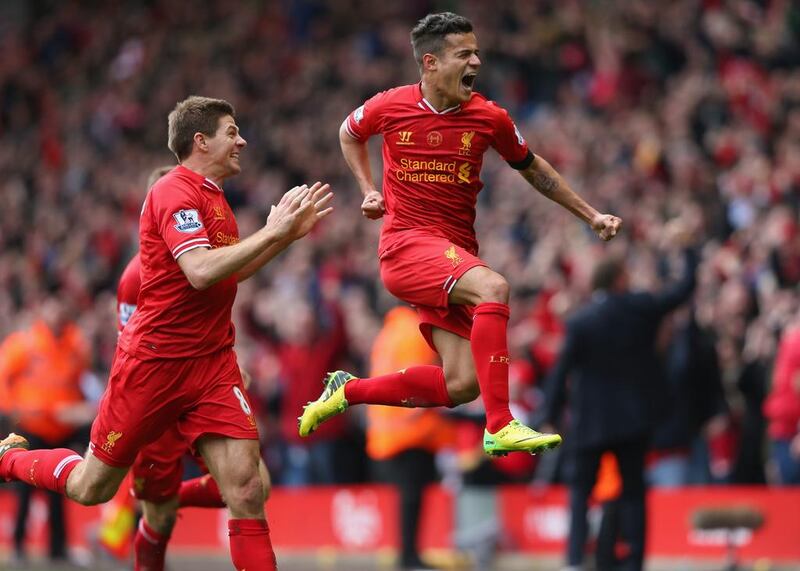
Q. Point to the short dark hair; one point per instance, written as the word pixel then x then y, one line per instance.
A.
pixel 194 114
pixel 428 35
pixel 157 173
pixel 606 272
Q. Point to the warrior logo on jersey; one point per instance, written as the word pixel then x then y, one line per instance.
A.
pixel 404 138
pixel 188 221
pixel 358 115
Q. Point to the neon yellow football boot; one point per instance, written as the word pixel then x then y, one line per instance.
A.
pixel 330 403
pixel 516 437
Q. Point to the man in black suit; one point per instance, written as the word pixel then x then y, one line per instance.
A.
pixel 609 356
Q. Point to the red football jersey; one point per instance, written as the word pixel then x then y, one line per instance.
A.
pixel 128 291
pixel 182 211
pixel 432 159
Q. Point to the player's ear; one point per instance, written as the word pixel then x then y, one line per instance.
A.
pixel 429 62
pixel 200 141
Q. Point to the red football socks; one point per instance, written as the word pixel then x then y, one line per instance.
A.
pixel 421 386
pixel 150 548
pixel 201 492
pixel 490 352
pixel 251 548
pixel 46 469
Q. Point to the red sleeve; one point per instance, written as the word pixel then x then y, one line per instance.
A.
pixel 368 119
pixel 508 141
pixel 128 292
pixel 176 209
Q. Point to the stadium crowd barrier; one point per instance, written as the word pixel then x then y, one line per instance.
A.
pixel 363 519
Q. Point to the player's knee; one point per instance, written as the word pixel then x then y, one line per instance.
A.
pixel 162 521
pixel 246 493
pixel 495 289
pixel 462 390
pixel 266 480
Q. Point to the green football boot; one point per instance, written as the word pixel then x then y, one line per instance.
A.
pixel 330 403
pixel 516 437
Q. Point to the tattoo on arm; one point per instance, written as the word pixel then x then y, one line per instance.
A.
pixel 544 183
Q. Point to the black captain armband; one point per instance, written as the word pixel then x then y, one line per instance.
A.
pixel 524 163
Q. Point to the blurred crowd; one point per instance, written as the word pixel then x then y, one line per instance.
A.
pixel 651 110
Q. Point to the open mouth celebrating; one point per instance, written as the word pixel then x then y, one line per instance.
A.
pixel 468 80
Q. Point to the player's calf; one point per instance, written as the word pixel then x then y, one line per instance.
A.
pixel 92 482
pixel 462 390
pixel 161 517
pixel 45 469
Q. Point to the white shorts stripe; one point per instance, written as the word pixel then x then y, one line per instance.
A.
pixel 63 464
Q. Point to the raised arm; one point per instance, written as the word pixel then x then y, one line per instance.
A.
pixel 320 196
pixel 356 156
pixel 549 183
pixel 680 233
pixel 291 219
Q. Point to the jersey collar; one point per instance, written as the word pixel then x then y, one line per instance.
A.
pixel 206 183
pixel 211 185
pixel 423 103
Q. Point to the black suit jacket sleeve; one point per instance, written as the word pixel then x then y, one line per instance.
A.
pixel 555 394
pixel 675 294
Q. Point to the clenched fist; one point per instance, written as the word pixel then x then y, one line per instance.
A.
pixel 373 207
pixel 606 226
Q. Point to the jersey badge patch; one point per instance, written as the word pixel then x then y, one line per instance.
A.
pixel 188 221
pixel 434 138
pixel 126 312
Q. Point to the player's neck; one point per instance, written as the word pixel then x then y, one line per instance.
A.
pixel 436 98
pixel 210 171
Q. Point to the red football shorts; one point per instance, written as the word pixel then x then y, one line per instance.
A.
pixel 145 399
pixel 422 270
pixel 158 469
